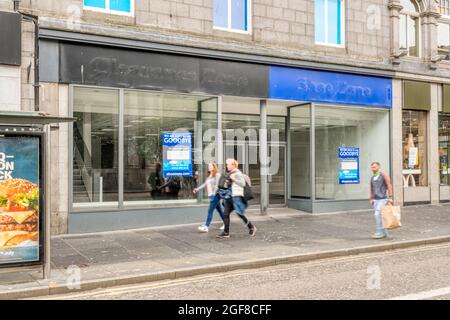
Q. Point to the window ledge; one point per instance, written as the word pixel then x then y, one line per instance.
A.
pixel 109 17
pixel 330 48
pixel 329 45
pixel 444 64
pixel 228 34
pixel 411 59
pixel 109 12
pixel 232 30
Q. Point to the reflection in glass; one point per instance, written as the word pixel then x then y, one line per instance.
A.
pixel 147 116
pixel 403 32
pixel 444 144
pixel 444 40
pixel 409 28
pixel 239 15
pixel 95 146
pixel 415 148
pixel 413 36
pixel 300 172
pixel 221 13
pixel 241 142
pixel 363 128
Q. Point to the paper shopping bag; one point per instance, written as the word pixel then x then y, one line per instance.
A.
pixel 391 217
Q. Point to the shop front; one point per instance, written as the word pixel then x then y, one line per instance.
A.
pixel 444 144
pixel 339 129
pixel 148 123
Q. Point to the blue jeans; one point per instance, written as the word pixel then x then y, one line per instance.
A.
pixel 214 203
pixel 377 205
pixel 239 205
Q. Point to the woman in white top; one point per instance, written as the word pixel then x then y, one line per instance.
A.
pixel 211 184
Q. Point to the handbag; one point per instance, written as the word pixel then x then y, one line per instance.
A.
pixel 248 192
pixel 391 217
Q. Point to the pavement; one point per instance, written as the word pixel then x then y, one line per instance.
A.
pixel 92 261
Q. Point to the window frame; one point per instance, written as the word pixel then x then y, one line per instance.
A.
pixel 229 28
pixel 109 11
pixel 343 27
pixel 416 16
pixel 440 6
pixel 425 147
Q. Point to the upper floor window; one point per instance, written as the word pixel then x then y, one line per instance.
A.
pixel 444 40
pixel 122 7
pixel 409 28
pixel 444 7
pixel 329 22
pixel 232 15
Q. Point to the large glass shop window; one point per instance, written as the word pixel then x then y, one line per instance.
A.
pixel 163 145
pixel 348 140
pixel 300 164
pixel 95 147
pixel 160 136
pixel 415 148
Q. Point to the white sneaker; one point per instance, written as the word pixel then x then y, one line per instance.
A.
pixel 203 229
pixel 222 227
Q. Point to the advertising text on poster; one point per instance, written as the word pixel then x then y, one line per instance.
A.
pixel 348 165
pixel 177 154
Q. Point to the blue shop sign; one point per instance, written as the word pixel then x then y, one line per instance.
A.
pixel 348 165
pixel 329 87
pixel 177 154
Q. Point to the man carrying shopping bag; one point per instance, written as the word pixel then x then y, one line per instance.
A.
pixel 380 195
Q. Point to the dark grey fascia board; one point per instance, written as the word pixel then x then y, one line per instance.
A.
pixel 368 68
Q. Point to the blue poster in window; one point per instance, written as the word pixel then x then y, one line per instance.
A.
pixel 348 165
pixel 177 154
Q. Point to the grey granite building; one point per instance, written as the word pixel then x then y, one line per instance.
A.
pixel 339 83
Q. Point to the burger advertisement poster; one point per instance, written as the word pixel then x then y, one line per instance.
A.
pixel 19 199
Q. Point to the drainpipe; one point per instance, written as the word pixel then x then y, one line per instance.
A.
pixel 35 20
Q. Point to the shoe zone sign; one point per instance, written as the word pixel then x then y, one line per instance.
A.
pixel 177 154
pixel 330 87
pixel 348 165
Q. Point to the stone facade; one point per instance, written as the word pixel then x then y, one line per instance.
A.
pixel 279 29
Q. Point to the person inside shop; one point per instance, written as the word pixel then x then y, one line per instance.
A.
pixel 156 181
pixel 172 186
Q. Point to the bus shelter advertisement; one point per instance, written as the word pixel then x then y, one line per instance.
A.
pixel 19 199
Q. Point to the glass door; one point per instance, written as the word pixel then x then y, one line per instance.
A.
pixel 253 171
pixel 247 154
pixel 299 176
pixel 277 178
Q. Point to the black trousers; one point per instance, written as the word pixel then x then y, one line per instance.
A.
pixel 228 208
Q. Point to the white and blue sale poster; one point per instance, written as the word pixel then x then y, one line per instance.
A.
pixel 19 199
pixel 348 165
pixel 177 154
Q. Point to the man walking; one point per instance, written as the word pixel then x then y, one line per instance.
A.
pixel 380 195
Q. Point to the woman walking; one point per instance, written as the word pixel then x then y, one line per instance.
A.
pixel 211 184
pixel 235 201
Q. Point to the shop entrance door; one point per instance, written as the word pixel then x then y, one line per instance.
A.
pixel 247 154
